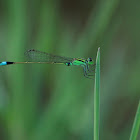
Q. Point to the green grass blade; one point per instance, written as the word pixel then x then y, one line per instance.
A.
pixel 97 97
pixel 136 125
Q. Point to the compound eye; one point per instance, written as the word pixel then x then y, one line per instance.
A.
pixel 89 59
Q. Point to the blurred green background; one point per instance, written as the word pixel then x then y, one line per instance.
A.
pixel 54 102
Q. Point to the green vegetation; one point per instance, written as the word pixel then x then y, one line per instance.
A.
pixel 136 125
pixel 97 98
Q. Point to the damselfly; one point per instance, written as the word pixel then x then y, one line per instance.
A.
pixel 35 56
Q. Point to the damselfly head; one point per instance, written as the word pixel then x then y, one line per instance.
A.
pixel 90 61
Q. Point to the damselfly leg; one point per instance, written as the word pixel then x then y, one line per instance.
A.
pixel 86 73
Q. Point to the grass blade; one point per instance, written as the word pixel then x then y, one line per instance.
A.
pixel 97 97
pixel 136 125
